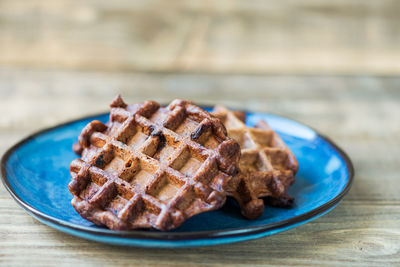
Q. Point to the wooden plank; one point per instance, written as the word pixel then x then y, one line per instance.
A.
pixel 350 235
pixel 311 36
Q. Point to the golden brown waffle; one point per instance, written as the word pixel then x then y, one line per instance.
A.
pixel 151 166
pixel 266 167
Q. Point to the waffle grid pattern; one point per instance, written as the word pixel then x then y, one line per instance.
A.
pixel 152 166
pixel 266 168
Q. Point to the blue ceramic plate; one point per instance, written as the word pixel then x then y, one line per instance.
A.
pixel 36 173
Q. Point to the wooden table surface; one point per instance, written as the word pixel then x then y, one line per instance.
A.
pixel 333 65
pixel 360 113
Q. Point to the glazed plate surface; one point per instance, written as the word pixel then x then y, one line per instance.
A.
pixel 36 173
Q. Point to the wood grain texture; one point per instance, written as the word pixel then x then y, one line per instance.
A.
pixel 229 36
pixel 360 113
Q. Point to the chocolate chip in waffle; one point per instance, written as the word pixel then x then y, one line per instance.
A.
pixel 266 168
pixel 152 167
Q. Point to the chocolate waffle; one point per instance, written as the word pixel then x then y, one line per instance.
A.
pixel 152 167
pixel 266 167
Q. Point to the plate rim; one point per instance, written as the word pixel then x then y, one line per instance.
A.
pixel 177 236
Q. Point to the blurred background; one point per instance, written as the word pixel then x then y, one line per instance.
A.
pixel 334 65
pixel 274 37
pixel 62 59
